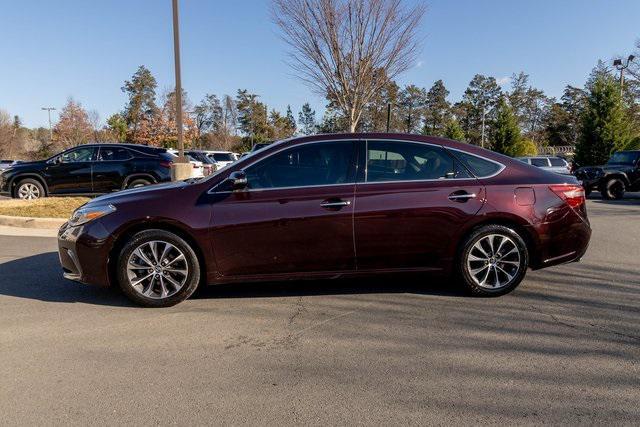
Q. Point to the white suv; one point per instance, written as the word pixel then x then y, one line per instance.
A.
pixel 222 158
pixel 550 163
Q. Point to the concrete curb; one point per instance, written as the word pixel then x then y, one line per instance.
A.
pixel 29 222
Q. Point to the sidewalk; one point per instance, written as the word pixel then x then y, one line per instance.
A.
pixel 27 232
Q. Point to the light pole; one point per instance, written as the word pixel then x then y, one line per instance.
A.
pixel 49 110
pixel 621 67
pixel 176 53
pixel 484 113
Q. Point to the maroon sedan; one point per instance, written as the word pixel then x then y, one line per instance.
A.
pixel 331 206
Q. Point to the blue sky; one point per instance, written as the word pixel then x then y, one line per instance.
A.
pixel 86 49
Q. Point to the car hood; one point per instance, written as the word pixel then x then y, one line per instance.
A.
pixel 27 165
pixel 607 167
pixel 139 194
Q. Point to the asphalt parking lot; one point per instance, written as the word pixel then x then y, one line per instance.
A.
pixel 563 348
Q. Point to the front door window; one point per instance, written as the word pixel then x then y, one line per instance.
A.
pixel 315 164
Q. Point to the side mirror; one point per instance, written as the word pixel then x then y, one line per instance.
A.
pixel 237 180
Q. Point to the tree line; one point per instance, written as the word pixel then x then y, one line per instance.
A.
pixel 598 118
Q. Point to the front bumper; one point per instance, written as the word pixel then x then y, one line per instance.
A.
pixel 84 253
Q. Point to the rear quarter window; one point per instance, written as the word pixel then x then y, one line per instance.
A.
pixel 480 167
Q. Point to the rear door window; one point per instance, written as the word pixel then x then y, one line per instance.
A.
pixel 406 161
pixel 114 153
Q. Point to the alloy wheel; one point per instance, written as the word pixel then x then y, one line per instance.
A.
pixel 493 261
pixel 157 269
pixel 28 191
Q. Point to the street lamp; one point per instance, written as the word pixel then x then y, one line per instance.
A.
pixel 620 66
pixel 49 110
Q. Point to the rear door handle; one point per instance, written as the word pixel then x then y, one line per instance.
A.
pixel 462 196
pixel 332 204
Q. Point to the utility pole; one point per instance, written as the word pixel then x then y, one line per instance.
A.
pixel 49 110
pixel 621 67
pixel 176 53
pixel 388 116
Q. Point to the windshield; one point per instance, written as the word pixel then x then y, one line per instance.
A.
pixel 222 157
pixel 623 158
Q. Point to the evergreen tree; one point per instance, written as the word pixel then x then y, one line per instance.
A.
pixel 454 131
pixel 252 117
pixel 291 122
pixel 412 100
pixel 118 127
pixel 505 133
pixel 480 97
pixel 307 120
pixel 141 90
pixel 437 116
pixel 605 125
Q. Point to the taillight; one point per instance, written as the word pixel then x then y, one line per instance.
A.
pixel 573 195
pixel 166 165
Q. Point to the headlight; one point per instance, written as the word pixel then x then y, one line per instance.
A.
pixel 85 214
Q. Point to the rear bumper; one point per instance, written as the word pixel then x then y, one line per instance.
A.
pixel 563 238
pixel 84 252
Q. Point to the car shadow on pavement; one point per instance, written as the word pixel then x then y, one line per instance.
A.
pixel 39 277
pixel 382 284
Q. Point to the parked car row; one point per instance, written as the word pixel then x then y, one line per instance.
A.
pixel 95 169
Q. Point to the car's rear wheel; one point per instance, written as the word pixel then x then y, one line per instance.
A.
pixel 29 189
pixel 493 261
pixel 613 189
pixel 137 183
pixel 157 268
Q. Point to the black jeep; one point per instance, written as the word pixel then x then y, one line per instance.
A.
pixel 620 174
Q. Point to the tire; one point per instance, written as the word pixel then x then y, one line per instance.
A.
pixel 136 183
pixel 29 189
pixel 612 189
pixel 503 273
pixel 151 284
pixel 587 191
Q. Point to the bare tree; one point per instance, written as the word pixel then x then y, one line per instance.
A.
pixel 347 50
pixel 94 119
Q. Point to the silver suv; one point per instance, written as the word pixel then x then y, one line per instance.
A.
pixel 550 163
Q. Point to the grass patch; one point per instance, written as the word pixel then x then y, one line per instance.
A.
pixel 48 207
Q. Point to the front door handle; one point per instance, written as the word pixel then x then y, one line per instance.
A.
pixel 333 204
pixel 461 196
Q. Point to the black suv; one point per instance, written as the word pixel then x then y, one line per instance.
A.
pixel 88 170
pixel 620 174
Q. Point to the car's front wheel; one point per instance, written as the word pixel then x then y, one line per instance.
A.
pixel 157 268
pixel 29 189
pixel 493 261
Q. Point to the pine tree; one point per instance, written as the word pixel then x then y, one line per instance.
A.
pixel 605 124
pixel 291 122
pixel 482 95
pixel 505 135
pixel 437 111
pixel 141 90
pixel 454 131
pixel 307 120
pixel 411 108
